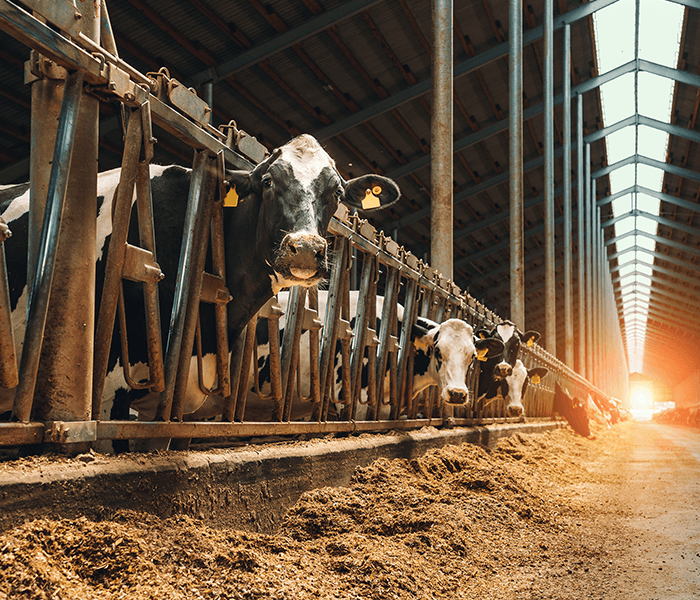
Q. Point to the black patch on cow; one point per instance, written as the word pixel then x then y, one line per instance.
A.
pixel 421 363
pixel 438 355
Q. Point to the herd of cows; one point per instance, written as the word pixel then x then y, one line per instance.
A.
pixel 274 238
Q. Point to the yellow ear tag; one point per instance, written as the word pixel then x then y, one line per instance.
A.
pixel 530 343
pixel 482 335
pixel 231 198
pixel 421 343
pixel 535 379
pixel 370 200
pixel 481 354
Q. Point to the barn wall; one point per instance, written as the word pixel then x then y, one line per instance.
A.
pixel 687 393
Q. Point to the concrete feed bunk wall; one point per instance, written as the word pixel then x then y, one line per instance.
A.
pixel 249 489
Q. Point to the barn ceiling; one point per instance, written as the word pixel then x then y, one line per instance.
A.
pixel 356 74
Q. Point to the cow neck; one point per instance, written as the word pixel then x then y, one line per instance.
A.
pixel 247 275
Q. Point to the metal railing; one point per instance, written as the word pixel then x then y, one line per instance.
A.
pixel 374 390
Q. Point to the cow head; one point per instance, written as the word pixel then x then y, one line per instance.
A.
pixel 572 409
pixel 512 338
pixel 298 188
pixel 444 353
pixel 514 386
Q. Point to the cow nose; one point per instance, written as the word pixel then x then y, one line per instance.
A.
pixel 515 411
pixel 504 370
pixel 456 396
pixel 304 254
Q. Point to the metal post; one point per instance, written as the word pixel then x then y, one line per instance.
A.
pixel 580 198
pixel 64 380
pixel 208 94
pixel 176 332
pixel 515 131
pixel 550 299
pixel 38 304
pixel 589 265
pixel 568 285
pixel 441 206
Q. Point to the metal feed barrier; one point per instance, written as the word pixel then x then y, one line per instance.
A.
pixel 377 365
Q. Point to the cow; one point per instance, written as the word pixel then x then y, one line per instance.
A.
pixel 572 409
pixel 506 374
pixel 443 354
pixel 274 238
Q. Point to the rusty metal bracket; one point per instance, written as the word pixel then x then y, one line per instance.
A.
pixel 64 14
pixel 188 102
pixel 247 144
pixel 70 432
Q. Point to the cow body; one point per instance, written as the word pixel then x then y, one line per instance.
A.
pixel 572 409
pixel 444 353
pixel 275 237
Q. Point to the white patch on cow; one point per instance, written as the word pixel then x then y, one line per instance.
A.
pixel 306 169
pixel 17 207
pixel 506 331
pixel 19 324
pixel 515 381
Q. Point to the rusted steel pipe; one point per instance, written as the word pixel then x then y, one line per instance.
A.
pixel 590 190
pixel 515 132
pixel 568 281
pixel 441 155
pixel 550 297
pixel 581 274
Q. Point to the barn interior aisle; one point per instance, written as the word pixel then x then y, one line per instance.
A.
pixel 551 515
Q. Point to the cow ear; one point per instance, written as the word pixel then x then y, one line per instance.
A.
pixel 488 347
pixel 420 333
pixel 238 186
pixel 530 338
pixel 537 374
pixel 370 192
pixel 482 334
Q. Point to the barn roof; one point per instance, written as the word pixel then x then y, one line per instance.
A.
pixel 356 74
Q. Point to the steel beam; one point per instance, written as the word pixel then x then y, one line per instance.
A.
pixel 284 40
pixel 663 220
pixel 580 203
pixel 441 203
pixel 515 130
pixel 469 65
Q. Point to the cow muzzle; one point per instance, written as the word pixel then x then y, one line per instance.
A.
pixel 503 370
pixel 457 396
pixel 304 256
pixel 515 410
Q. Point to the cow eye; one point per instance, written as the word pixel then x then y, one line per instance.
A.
pixel 339 192
pixel 267 182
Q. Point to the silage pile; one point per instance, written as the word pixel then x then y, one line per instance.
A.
pixel 460 522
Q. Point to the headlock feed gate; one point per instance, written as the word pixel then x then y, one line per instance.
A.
pixel 344 358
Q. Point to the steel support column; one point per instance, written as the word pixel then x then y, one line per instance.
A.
pixel 568 296
pixel 589 265
pixel 580 195
pixel 549 275
pixel 441 206
pixel 515 131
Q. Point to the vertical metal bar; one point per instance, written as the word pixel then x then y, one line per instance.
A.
pixel 9 376
pixel 600 331
pixel 241 391
pixel 515 131
pixel 568 283
pixel 409 317
pixel 361 325
pixel 41 289
pixel 200 243
pixel 580 200
pixel 208 94
pixel 387 327
pixel 441 206
pixel 550 298
pixel 147 240
pixel 176 328
pixel 114 263
pixel 331 321
pixel 290 346
pixel 587 250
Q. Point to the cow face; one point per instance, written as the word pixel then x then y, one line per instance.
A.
pixel 299 189
pixel 572 409
pixel 515 385
pixel 512 338
pixel 444 353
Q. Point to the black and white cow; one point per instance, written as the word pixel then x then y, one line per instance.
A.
pixel 507 375
pixel 444 352
pixel 274 238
